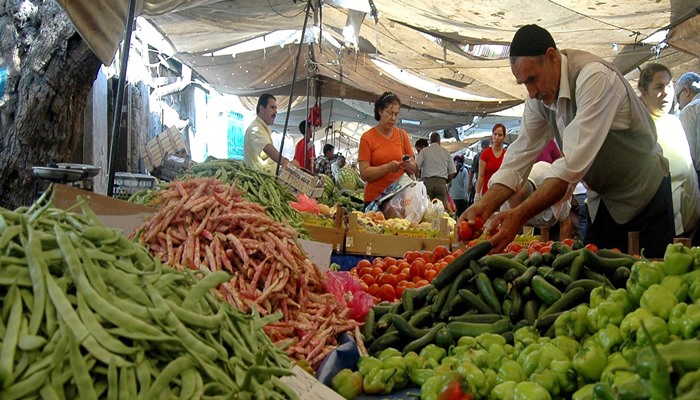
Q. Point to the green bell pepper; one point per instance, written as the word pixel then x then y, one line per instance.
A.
pixel 530 391
pixel 479 357
pixel 688 382
pixel 495 356
pixel 379 381
pixel 678 259
pixel 654 368
pixel 630 328
pixel 617 371
pixel 609 337
pixel 590 360
pixel 529 358
pixel 693 281
pixel 684 321
pixel 510 371
pixel 572 323
pixel 658 300
pixel 434 352
pixel 584 393
pixel 644 274
pixel 565 374
pixel 450 361
pixel 347 383
pixel 675 284
pixel 503 391
pixel 435 385
pixel 366 364
pixel 485 340
pixel 547 379
pixel 526 335
pixel 475 378
pixel 634 388
pixel 467 342
pixel 397 363
pixel 695 251
pixel 608 307
pixel 388 353
pixel 420 375
pixel 413 361
pixel 567 346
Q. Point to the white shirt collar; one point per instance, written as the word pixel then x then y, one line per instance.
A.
pixel 564 89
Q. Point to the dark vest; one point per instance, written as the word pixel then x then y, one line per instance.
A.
pixel 629 166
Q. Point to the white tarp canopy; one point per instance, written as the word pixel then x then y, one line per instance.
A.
pixel 458 48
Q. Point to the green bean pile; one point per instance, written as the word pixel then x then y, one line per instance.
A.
pixel 257 186
pixel 88 314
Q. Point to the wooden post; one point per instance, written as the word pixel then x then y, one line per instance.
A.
pixel 685 241
pixel 633 243
pixel 544 234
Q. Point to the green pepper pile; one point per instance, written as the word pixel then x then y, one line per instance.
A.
pixel 88 314
pixel 639 340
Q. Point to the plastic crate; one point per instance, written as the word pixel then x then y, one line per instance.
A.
pixel 126 184
pixel 300 181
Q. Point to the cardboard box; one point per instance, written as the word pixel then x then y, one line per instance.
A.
pixel 375 244
pixel 334 235
pixel 114 213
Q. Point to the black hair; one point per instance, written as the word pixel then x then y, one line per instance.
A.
pixel 435 137
pixel 422 142
pixel 386 99
pixel 327 147
pixel 302 128
pixel 262 101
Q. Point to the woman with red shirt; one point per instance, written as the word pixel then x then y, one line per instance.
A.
pixel 491 159
pixel 383 148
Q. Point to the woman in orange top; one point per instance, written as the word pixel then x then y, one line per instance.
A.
pixel 385 150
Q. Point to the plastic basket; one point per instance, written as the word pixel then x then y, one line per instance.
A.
pixel 300 181
pixel 126 184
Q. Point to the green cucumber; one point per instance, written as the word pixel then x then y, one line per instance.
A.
pixel 483 284
pixel 460 329
pixel 544 290
pixel 450 272
pixel 476 302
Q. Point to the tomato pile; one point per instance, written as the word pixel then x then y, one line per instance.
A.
pixel 386 278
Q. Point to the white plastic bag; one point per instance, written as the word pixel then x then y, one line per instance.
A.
pixel 434 211
pixel 410 203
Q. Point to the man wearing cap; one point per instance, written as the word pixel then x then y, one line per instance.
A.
pixel 607 138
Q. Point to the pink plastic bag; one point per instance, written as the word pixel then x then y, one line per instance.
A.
pixel 347 289
pixel 305 203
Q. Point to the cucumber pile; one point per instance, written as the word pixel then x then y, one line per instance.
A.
pixel 479 293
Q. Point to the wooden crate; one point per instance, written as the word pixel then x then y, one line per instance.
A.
pixel 334 235
pixel 167 142
pixel 374 244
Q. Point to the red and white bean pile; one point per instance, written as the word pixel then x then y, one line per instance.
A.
pixel 204 224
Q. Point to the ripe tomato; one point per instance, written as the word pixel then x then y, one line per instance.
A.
pixel 429 275
pixel 409 256
pixel 592 247
pixel 399 291
pixel 403 264
pixel 569 242
pixel 402 277
pixel 363 263
pixel 374 289
pixel 394 270
pixel 478 224
pixel 417 268
pixel 440 252
pixel 368 279
pixel 428 257
pixel 376 271
pixel 387 279
pixel 389 261
pixel 421 283
pixel 449 258
pixel 546 249
pixel 465 231
pixel 364 271
pixel 409 285
pixel 387 292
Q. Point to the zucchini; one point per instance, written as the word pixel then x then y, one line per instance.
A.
pixel 516 305
pixel 510 275
pixel 453 269
pixel 525 278
pixel 423 341
pixel 535 259
pixel 564 260
pixel 368 327
pixel 530 311
pixel 459 283
pixel 406 329
pixel 483 284
pixel 587 284
pixel 440 301
pixel 390 339
pixel 544 290
pixel 567 301
pixel 477 318
pixel 420 318
pixel 606 265
pixel 500 286
pixel 502 264
pixel 577 267
pixel 476 302
pixel 460 329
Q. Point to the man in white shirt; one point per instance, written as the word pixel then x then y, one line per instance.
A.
pixel 689 101
pixel 436 169
pixel 337 165
pixel 258 150
pixel 607 138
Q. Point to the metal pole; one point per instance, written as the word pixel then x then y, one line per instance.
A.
pixel 308 125
pixel 291 89
pixel 120 97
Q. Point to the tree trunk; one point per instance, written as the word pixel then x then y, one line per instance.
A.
pixel 50 70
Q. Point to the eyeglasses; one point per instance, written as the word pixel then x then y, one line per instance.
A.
pixel 390 113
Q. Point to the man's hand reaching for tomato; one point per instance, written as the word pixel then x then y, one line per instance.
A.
pixel 504 226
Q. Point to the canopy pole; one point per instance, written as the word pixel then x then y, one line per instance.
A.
pixel 116 120
pixel 291 89
pixel 307 124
